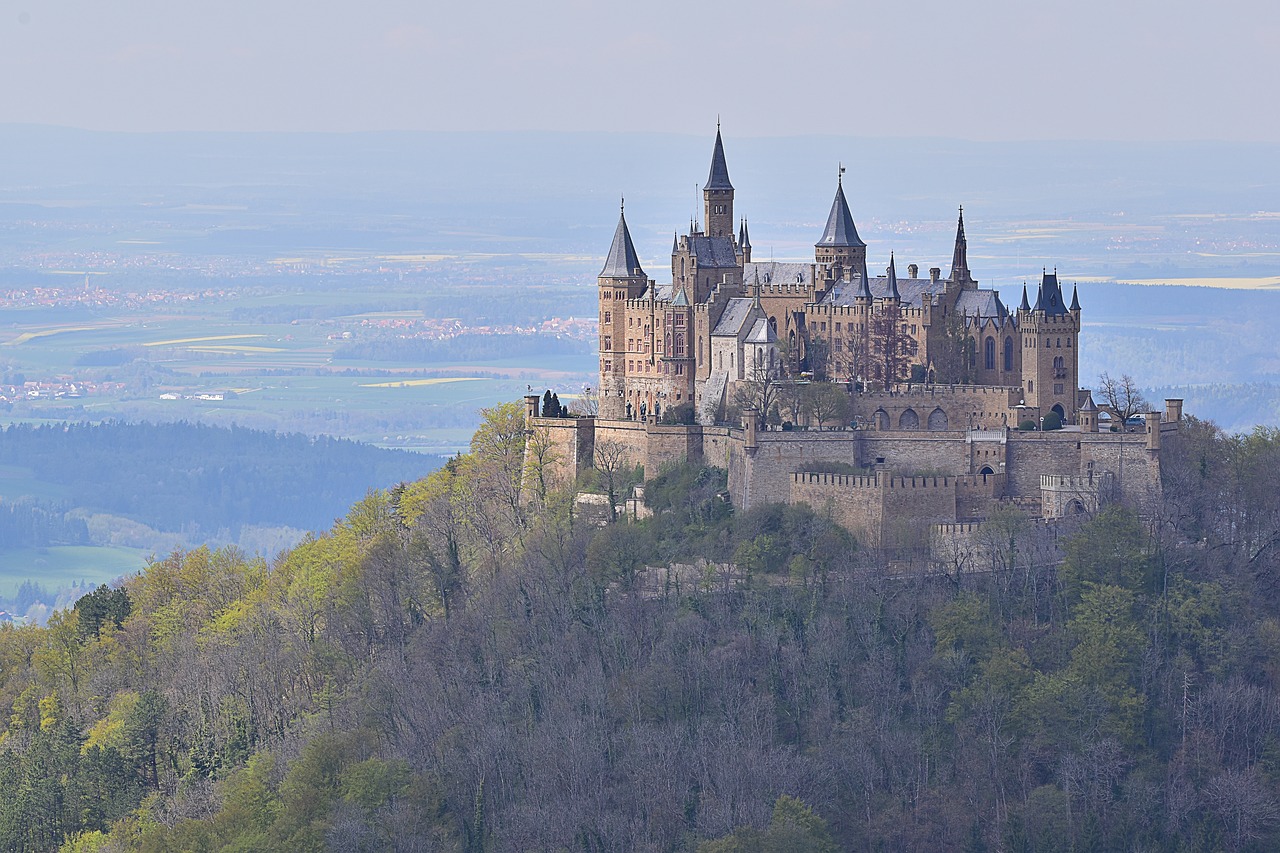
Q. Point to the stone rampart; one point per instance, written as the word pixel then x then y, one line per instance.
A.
pixel 937 407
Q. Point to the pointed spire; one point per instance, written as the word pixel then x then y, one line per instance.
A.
pixel 622 261
pixel 1025 306
pixel 744 238
pixel 864 290
pixel 960 257
pixel 840 231
pixel 893 279
pixel 675 242
pixel 718 179
pixel 1075 299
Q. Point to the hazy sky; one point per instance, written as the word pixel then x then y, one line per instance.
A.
pixel 1009 69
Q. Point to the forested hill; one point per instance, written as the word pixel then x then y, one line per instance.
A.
pixel 203 480
pixel 466 665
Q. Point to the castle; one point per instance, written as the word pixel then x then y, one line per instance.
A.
pixel 899 404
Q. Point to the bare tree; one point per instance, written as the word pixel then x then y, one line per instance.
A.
pixel 892 347
pixel 760 388
pixel 587 404
pixel 611 462
pixel 1122 397
pixel 829 403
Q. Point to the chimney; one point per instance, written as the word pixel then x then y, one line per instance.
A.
pixel 934 273
pixel 912 270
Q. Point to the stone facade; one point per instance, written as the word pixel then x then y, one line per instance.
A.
pixel 939 375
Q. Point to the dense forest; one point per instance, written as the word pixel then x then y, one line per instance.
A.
pixel 165 475
pixel 465 664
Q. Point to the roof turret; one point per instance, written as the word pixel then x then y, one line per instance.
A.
pixel 718 179
pixel 893 279
pixel 1025 306
pixel 840 231
pixel 744 239
pixel 622 261
pixel 1075 299
pixel 1049 297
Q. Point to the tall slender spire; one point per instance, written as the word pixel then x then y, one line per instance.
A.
pixel 960 257
pixel 1075 299
pixel 1026 305
pixel 893 279
pixel 744 238
pixel 622 262
pixel 840 231
pixel 718 179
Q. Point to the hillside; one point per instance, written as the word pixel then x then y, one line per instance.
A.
pixel 462 665
pixel 97 484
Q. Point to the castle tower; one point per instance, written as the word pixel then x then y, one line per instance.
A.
pixel 621 279
pixel 1050 351
pixel 717 195
pixel 840 246
pixel 744 243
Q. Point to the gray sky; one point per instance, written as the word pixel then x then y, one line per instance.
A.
pixel 1006 69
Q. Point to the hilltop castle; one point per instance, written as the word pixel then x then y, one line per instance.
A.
pixel 934 378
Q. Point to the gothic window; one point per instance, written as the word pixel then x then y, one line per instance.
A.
pixel 1059 343
pixel 1057 362
pixel 1008 354
pixel 679 350
pixel 989 354
pixel 608 316
pixel 1068 343
pixel 608 343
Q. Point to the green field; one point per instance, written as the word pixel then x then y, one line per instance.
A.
pixel 63 565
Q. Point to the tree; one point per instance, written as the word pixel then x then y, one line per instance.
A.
pixel 1122 397
pixel 760 389
pixel 956 360
pixel 587 404
pixel 892 347
pixel 830 403
pixel 610 461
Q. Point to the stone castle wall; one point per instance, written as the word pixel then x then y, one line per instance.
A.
pixel 938 407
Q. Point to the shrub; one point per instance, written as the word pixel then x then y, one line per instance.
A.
pixel 1027 425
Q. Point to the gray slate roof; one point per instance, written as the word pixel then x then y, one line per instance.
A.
pixel 734 316
pixel 980 303
pixel 911 290
pixel 718 179
pixel 1049 297
pixel 762 332
pixel 622 261
pixel 714 252
pixel 772 272
pixel 840 230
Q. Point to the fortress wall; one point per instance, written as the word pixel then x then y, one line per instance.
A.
pixel 965 406
pixel 1136 469
pixel 912 506
pixel 671 445
pixel 765 475
pixel 716 442
pixel 628 435
pixel 991 454
pixel 1034 453
pixel 1125 455
pixel 976 494
pixel 971 547
pixel 855 503
pixel 571 440
pixel 916 451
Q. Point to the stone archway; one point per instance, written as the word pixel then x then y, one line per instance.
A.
pixel 937 419
pixel 1057 407
pixel 986 469
pixel 881 418
pixel 909 420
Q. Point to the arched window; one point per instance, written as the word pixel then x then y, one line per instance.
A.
pixel 1008 354
pixel 989 354
pixel 759 357
pixel 909 420
pixel 1057 362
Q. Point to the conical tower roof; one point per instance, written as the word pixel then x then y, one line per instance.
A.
pixel 1026 305
pixel 622 261
pixel 718 179
pixel 1075 299
pixel 893 279
pixel 840 231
